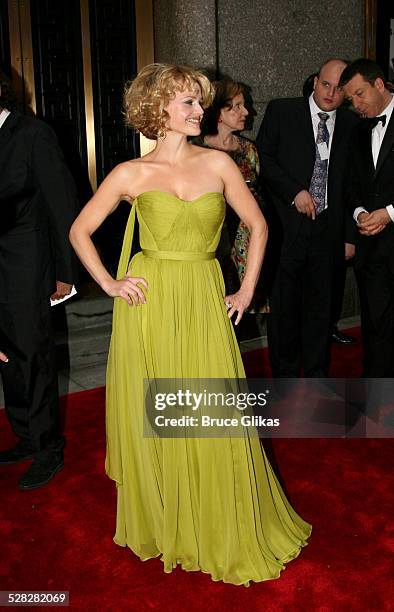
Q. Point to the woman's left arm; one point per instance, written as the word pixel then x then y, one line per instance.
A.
pixel 238 196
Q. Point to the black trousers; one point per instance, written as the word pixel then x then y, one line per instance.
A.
pixel 376 286
pixel 338 291
pixel 300 318
pixel 30 377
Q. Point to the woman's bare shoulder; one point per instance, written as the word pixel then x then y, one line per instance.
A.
pixel 128 168
pixel 121 171
pixel 127 175
pixel 212 155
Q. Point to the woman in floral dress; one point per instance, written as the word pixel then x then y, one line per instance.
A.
pixel 222 122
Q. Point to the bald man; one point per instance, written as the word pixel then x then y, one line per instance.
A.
pixel 303 145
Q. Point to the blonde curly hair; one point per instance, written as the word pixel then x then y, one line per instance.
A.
pixel 146 97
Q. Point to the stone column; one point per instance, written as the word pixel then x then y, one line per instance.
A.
pixel 185 32
pixel 273 45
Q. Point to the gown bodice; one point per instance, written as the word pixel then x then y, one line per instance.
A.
pixel 168 223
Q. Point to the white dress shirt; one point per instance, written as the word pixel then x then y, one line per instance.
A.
pixel 330 123
pixel 377 136
pixel 3 116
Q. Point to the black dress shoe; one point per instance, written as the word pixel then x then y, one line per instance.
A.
pixel 20 452
pixel 41 472
pixel 339 338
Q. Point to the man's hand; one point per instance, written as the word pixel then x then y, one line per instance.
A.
pixel 373 223
pixel 3 357
pixel 62 289
pixel 350 250
pixel 305 204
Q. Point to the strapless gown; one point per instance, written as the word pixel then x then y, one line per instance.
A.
pixel 209 504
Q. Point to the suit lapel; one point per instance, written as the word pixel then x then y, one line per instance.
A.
pixel 339 131
pixel 306 128
pixel 387 144
pixel 366 148
pixel 7 128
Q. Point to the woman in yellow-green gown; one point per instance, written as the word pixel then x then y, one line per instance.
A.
pixel 209 504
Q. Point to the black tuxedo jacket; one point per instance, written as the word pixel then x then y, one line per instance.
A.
pixel 287 148
pixel 372 188
pixel 38 203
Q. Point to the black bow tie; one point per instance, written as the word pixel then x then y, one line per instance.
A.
pixel 375 120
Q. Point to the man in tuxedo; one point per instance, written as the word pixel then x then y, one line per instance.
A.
pixel 370 196
pixel 303 145
pixel 37 206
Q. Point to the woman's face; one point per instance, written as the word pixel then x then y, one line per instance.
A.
pixel 185 112
pixel 234 117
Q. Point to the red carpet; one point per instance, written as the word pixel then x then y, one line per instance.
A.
pixel 345 359
pixel 60 537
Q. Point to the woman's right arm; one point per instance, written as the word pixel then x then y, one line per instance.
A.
pixel 112 190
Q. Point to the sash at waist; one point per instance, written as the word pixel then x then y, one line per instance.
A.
pixel 179 255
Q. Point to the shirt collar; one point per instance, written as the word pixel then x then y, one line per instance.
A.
pixel 3 116
pixel 315 108
pixel 388 110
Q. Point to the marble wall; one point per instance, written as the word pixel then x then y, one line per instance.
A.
pixel 186 32
pixel 271 45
